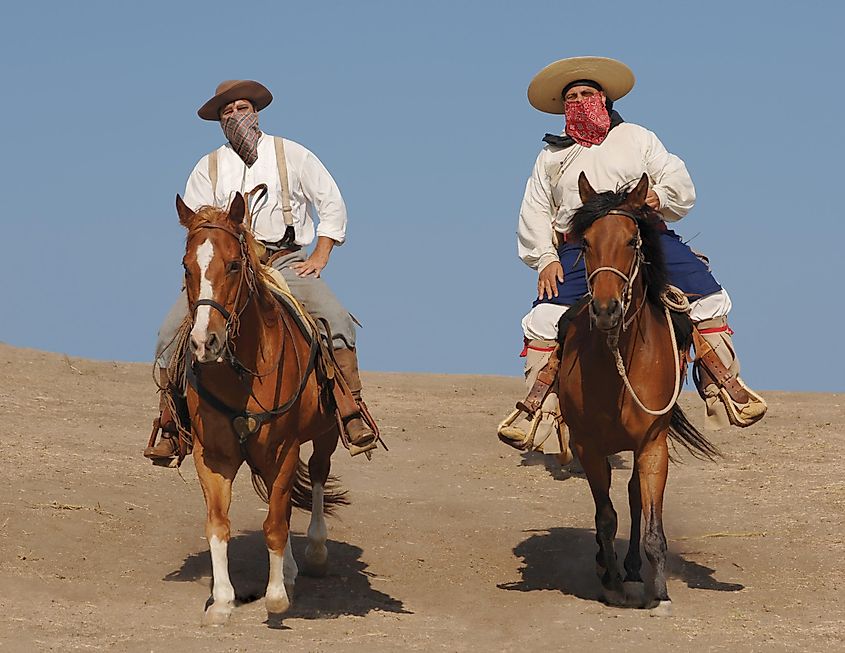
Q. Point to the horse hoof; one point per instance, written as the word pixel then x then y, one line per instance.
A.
pixel 615 598
pixel 216 615
pixel 663 609
pixel 634 593
pixel 316 561
pixel 276 606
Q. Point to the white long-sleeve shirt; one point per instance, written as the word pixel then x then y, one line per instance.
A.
pixel 628 151
pixel 311 187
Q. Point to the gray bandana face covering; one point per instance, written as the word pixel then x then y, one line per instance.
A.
pixel 242 132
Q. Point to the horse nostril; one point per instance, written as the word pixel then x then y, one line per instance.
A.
pixel 192 343
pixel 211 342
pixel 613 306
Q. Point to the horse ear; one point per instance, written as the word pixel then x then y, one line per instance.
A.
pixel 636 197
pixel 186 216
pixel 237 209
pixel 584 189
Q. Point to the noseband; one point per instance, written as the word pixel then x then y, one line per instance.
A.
pixel 628 288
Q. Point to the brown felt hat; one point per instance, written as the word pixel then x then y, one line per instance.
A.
pixel 235 89
pixel 545 92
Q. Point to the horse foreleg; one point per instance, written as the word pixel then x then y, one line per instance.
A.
pixel 283 569
pixel 216 478
pixel 597 469
pixel 316 553
pixel 653 466
pixel 633 560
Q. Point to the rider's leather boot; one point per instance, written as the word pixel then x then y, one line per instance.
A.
pixel 362 438
pixel 166 451
pixel 728 400
pixel 549 434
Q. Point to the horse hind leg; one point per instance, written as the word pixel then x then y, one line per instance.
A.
pixel 316 552
pixel 634 588
pixel 653 467
pixel 597 469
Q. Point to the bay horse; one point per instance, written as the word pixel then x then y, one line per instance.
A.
pixel 253 396
pixel 620 376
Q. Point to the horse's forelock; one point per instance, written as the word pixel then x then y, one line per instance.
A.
pixel 648 221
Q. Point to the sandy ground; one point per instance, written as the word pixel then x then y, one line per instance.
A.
pixel 453 541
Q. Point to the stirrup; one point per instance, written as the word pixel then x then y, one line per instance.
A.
pixel 516 437
pixel 355 449
pixel 733 407
pixel 735 411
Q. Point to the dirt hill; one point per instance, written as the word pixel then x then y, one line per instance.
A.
pixel 453 542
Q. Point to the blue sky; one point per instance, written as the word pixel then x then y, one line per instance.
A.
pixel 419 112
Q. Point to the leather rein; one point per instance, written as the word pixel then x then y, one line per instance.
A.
pixel 246 423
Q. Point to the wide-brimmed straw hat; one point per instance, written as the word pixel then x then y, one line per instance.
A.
pixel 235 89
pixel 545 92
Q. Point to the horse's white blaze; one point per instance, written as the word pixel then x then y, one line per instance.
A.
pixel 276 598
pixel 316 552
pixel 205 253
pixel 223 592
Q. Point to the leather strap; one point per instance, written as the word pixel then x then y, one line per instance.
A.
pixel 708 359
pixel 545 379
pixel 281 164
pixel 219 307
pixel 212 173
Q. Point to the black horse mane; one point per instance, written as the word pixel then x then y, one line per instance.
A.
pixel 653 269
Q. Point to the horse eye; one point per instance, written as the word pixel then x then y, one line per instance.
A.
pixel 585 244
pixel 633 242
pixel 187 269
pixel 233 266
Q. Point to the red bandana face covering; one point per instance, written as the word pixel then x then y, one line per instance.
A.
pixel 243 133
pixel 587 121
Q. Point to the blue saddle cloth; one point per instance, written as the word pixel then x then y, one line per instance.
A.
pixel 684 268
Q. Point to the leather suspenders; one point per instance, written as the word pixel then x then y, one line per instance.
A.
pixel 281 166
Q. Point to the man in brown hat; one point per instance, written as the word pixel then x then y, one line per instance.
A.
pixel 283 221
pixel 612 153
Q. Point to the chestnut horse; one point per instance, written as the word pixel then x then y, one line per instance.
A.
pixel 620 376
pixel 253 397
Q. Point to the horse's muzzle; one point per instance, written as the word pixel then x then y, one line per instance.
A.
pixel 208 348
pixel 607 314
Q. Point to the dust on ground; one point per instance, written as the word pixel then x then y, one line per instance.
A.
pixel 453 542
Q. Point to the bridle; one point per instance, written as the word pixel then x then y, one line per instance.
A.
pixel 628 279
pixel 245 422
pixel 627 292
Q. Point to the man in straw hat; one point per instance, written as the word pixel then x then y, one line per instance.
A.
pixel 283 221
pixel 612 153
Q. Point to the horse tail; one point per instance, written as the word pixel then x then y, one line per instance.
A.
pixel 301 492
pixel 682 431
pixel 260 487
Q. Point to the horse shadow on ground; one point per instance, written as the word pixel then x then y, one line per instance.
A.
pixel 345 590
pixel 563 559
pixel 564 472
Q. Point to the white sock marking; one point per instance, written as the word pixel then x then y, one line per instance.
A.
pixel 316 552
pixel 223 592
pixel 276 598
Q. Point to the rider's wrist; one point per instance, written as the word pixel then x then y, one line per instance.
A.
pixel 546 260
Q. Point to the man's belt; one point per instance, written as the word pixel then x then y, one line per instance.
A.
pixel 277 250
